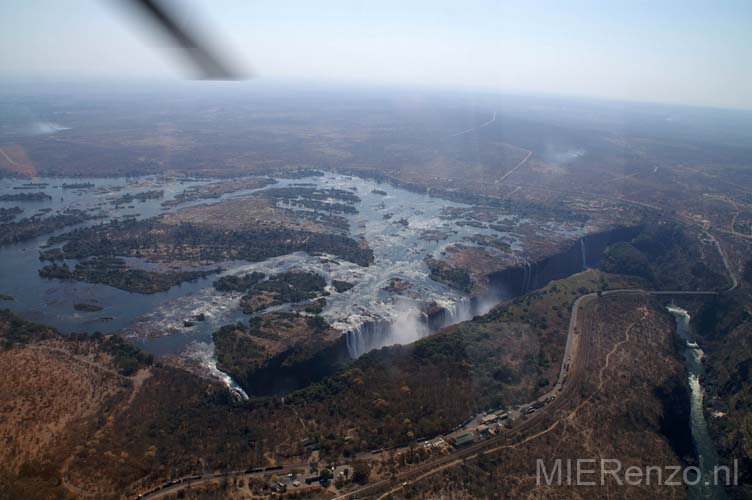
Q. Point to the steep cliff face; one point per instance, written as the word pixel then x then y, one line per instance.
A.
pixel 669 256
pixel 675 418
pixel 173 424
pixel 724 326
pixel 279 352
pixel 580 254
pixel 312 356
pixel 625 411
pixel 509 356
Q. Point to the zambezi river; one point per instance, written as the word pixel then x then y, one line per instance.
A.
pixel 400 226
pixel 703 444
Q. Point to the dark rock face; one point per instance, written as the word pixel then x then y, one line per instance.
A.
pixel 675 423
pixel 512 282
pixel 586 252
pixel 291 370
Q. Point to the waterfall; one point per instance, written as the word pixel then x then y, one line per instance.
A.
pixel 411 324
pixel 462 310
pixel 466 308
pixel 527 277
pixel 368 336
pixel 584 255
pixel 204 354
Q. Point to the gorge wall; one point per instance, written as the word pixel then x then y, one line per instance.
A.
pixel 292 369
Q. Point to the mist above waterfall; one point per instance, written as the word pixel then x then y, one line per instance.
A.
pixel 373 313
pixel 409 323
pixel 43 128
pixel 405 327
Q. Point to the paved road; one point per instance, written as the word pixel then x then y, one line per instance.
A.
pixel 485 124
pixel 578 347
pixel 513 437
pixel 209 478
pixel 13 162
pixel 732 224
pixel 524 160
pixel 724 258
pixel 573 370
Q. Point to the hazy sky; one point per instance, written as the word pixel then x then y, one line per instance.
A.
pixel 691 52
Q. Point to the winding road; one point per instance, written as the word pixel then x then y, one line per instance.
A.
pixel 484 124
pixel 567 385
pixel 571 375
pixel 573 369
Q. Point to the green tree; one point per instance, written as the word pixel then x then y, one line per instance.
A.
pixel 361 472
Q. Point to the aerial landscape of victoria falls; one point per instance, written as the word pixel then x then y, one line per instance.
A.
pixel 241 287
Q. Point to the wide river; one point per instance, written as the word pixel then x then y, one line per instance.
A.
pixel 155 321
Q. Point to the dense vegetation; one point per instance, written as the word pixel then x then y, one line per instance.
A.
pixel 665 255
pixel 78 185
pixel 31 227
pixel 237 283
pixel 8 214
pixel 283 288
pixel 113 272
pixel 236 351
pixel 342 286
pixel 724 324
pixel 315 198
pixel 87 307
pixel 37 196
pixel 126 357
pixel 624 258
pixel 277 352
pixel 444 273
pixel 142 196
pixel 217 189
pixel 188 241
pixel 400 393
pixel 15 331
pixel 490 241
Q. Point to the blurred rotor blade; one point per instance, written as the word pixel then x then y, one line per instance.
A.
pixel 208 62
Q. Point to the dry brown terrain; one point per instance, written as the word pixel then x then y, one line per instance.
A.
pixel 620 413
pixel 171 424
pixel 53 395
pixel 244 213
pixel 13 158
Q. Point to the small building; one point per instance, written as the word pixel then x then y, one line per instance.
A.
pixel 463 439
pixel 489 419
